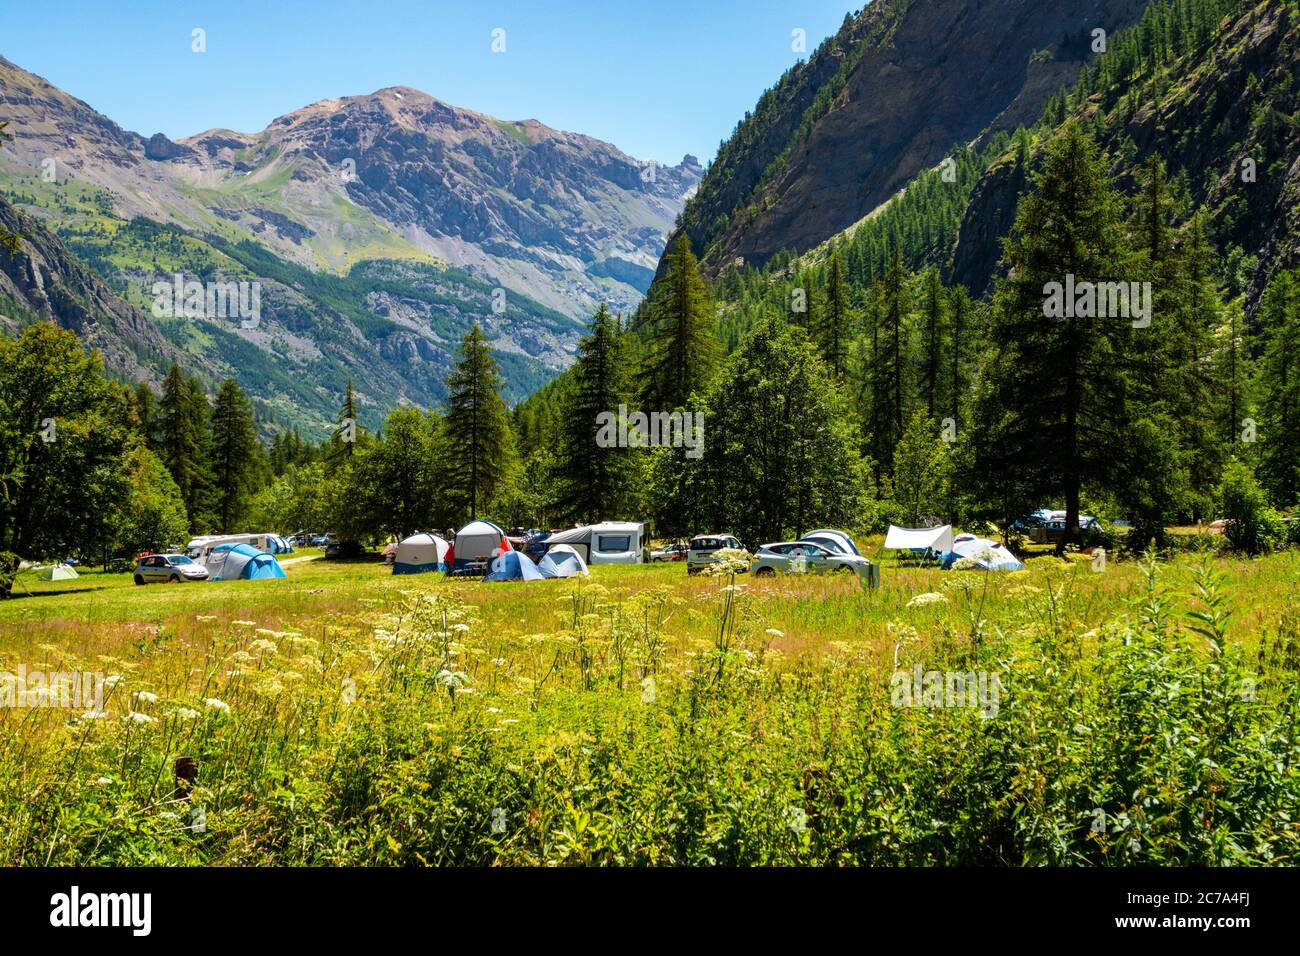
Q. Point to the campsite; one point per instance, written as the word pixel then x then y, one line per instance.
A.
pixel 728 706
pixel 905 478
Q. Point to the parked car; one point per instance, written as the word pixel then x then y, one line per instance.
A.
pixel 670 552
pixel 702 548
pixel 120 564
pixel 336 550
pixel 168 568
pixel 535 547
pixel 801 557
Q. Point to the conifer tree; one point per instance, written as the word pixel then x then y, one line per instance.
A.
pixel 1279 390
pixel 235 455
pixel 681 342
pixel 934 334
pixel 182 427
pixel 591 477
pixel 833 326
pixel 479 440
pixel 889 362
pixel 1055 407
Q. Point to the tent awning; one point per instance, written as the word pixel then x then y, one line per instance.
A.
pixel 919 539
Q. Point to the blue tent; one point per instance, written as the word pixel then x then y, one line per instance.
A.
pixel 561 561
pixel 513 566
pixel 242 562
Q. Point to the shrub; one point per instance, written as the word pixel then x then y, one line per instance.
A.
pixel 1252 525
pixel 8 571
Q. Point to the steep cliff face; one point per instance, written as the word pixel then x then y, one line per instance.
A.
pixel 45 281
pixel 898 87
pixel 1223 119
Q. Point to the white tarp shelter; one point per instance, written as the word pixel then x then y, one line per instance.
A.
pixel 938 540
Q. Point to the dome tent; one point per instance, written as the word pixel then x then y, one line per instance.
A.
pixel 420 553
pixel 513 566
pixel 987 555
pixel 58 572
pixel 832 540
pixel 242 562
pixel 477 541
pixel 562 561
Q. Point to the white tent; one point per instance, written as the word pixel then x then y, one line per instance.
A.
pixel 477 542
pixel 58 572
pixel 834 540
pixel 985 554
pixel 420 553
pixel 562 561
pixel 920 539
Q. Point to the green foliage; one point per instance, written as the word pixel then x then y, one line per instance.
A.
pixel 922 474
pixel 1054 405
pixel 396 487
pixel 1252 525
pixel 64 430
pixel 1118 726
pixel 680 334
pixel 152 516
pixel 479 441
pixel 237 458
pixel 778 447
pixel 1278 387
pixel 593 482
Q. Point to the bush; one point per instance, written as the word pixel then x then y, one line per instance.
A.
pixel 1252 525
pixel 8 571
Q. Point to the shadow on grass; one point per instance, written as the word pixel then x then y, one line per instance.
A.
pixel 61 592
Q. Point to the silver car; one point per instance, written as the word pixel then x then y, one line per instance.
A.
pixel 168 568
pixel 802 557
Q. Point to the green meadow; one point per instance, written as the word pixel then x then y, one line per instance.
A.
pixel 344 716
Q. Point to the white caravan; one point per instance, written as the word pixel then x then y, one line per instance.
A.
pixel 610 542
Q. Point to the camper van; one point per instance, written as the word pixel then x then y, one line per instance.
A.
pixel 610 542
pixel 199 549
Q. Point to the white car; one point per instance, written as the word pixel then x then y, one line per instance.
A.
pixel 704 547
pixel 171 568
pixel 802 557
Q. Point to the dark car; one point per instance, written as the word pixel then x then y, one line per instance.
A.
pixel 342 550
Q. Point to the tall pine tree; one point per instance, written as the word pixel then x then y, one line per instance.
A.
pixel 1279 389
pixel 236 455
pixel 479 441
pixel 681 342
pixel 1054 411
pixel 592 481
pixel 182 438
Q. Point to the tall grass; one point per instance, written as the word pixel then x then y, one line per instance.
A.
pixel 1147 716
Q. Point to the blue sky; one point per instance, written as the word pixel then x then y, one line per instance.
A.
pixel 656 79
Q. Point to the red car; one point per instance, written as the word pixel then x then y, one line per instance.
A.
pixel 671 552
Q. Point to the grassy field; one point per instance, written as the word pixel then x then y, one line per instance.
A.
pixel 1147 714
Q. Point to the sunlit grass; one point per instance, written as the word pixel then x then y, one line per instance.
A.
pixel 347 715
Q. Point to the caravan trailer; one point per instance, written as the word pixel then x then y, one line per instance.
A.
pixel 200 549
pixel 610 542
